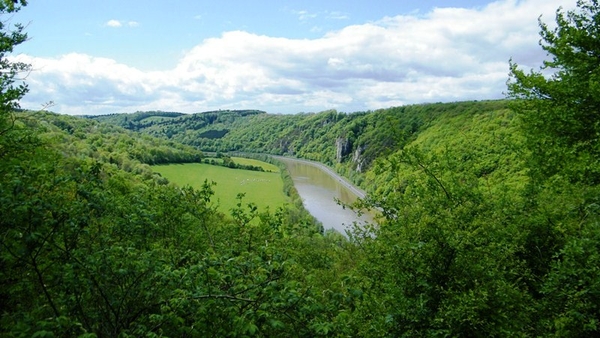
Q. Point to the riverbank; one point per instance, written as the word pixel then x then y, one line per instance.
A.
pixel 325 194
pixel 355 190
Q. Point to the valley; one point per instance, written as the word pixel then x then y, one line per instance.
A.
pixel 149 224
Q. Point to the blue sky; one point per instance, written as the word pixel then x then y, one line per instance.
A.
pixel 153 34
pixel 98 57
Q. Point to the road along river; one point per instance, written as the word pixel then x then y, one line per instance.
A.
pixel 319 187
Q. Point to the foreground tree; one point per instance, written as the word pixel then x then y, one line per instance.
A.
pixel 561 111
pixel 561 118
pixel 10 91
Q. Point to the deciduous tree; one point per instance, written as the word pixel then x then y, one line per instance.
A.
pixel 560 103
pixel 10 91
pixel 560 109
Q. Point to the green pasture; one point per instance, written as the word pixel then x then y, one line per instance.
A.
pixel 265 189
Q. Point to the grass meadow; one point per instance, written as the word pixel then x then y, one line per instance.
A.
pixel 265 189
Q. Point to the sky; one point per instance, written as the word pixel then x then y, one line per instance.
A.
pixel 122 56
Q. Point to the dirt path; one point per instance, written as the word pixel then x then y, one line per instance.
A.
pixel 356 190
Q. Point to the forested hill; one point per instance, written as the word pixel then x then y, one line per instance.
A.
pixel 169 123
pixel 109 143
pixel 350 142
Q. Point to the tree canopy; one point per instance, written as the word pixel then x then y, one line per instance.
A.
pixel 10 91
pixel 560 103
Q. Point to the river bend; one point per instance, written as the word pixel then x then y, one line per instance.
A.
pixel 320 187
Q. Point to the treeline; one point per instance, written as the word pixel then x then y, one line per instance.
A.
pixel 227 161
pixel 208 124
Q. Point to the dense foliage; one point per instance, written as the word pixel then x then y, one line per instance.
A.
pixel 94 245
pixel 491 228
pixel 208 125
pixel 489 217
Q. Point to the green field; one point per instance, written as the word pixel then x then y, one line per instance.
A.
pixel 265 189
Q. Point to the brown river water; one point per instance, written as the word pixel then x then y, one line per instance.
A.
pixel 319 187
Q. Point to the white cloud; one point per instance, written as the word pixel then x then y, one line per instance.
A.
pixel 116 23
pixel 305 15
pixel 113 23
pixel 448 54
pixel 338 15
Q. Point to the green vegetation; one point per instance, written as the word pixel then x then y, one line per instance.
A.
pixel 263 189
pixel 348 142
pixel 256 163
pixel 94 243
pixel 491 221
pixel 489 215
pixel 210 125
pixel 240 163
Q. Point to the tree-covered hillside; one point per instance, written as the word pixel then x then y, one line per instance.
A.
pixel 212 124
pixel 349 142
pixel 108 143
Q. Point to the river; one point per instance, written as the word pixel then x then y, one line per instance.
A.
pixel 319 187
